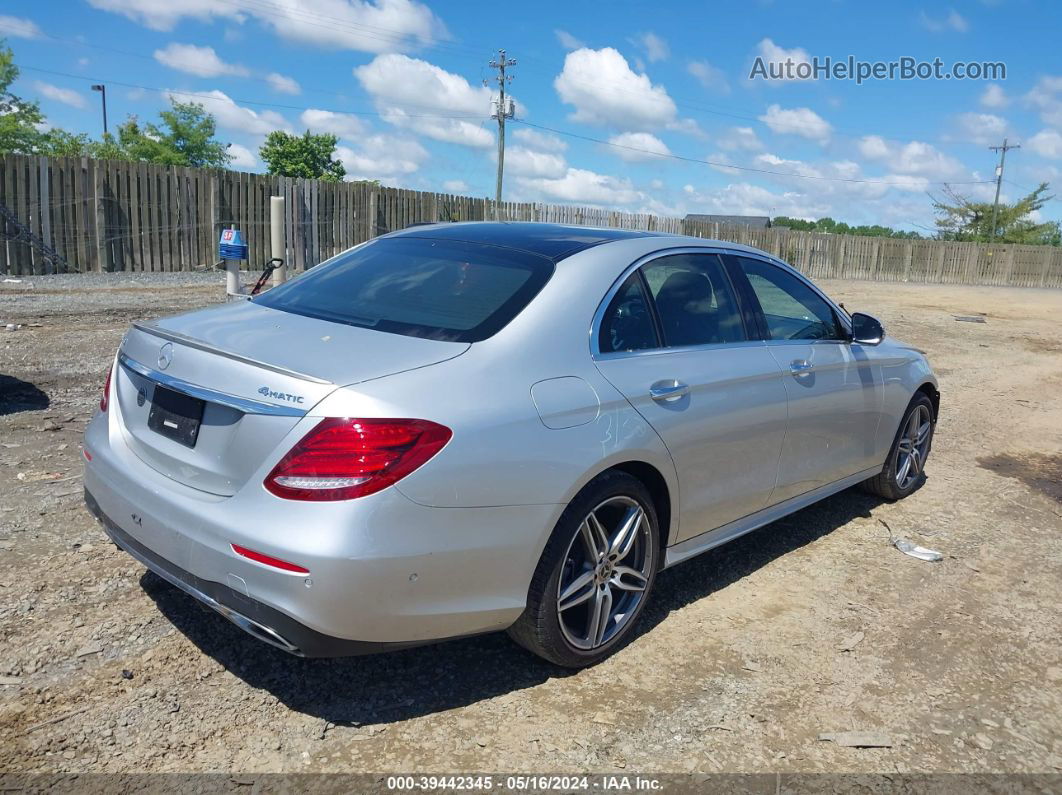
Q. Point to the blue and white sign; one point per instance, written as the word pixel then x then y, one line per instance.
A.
pixel 231 245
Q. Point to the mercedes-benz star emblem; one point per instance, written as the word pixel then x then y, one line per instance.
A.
pixel 165 356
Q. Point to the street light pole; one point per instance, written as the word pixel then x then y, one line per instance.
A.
pixel 103 95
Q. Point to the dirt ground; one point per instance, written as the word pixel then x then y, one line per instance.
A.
pixel 813 624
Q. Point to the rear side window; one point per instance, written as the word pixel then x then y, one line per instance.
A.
pixel 439 289
pixel 694 300
pixel 628 321
pixel 793 310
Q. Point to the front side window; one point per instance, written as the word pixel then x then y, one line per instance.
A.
pixel 792 309
pixel 447 290
pixel 694 300
pixel 628 322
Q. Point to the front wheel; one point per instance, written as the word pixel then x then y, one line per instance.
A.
pixel 595 575
pixel 905 470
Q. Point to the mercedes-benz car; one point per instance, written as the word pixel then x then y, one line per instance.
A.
pixel 463 428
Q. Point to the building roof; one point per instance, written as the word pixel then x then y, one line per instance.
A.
pixel 748 220
pixel 553 241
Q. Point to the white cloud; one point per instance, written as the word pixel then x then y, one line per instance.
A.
pixel 638 146
pixel 580 185
pixel 771 53
pixel 743 198
pixel 654 46
pixel 1047 143
pixel 242 157
pixel 994 96
pixel 954 21
pixel 365 25
pixel 198 61
pixel 603 88
pixel 1046 96
pixel 65 95
pixel 915 158
pixel 544 142
pixel 343 125
pixel 720 162
pixel 231 116
pixel 382 157
pixel 19 27
pixel 455 186
pixel 567 40
pixel 523 162
pixel 797 121
pixel 283 84
pixel 740 138
pixel 709 76
pixel 407 91
pixel 981 128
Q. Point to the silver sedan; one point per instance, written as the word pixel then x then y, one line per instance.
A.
pixel 464 428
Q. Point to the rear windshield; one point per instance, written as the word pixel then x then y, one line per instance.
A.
pixel 440 289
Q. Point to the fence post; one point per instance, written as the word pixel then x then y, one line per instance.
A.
pixel 277 247
pixel 908 254
pixel 373 199
pixel 100 227
pixel 1046 254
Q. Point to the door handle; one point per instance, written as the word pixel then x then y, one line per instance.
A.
pixel 668 390
pixel 799 367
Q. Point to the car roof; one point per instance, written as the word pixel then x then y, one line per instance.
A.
pixel 552 241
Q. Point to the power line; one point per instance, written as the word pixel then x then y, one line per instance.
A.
pixel 246 101
pixel 720 165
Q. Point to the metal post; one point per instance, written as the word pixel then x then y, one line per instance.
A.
pixel 277 247
pixel 103 96
pixel 232 276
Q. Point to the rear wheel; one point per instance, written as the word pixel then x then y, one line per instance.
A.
pixel 905 470
pixel 595 575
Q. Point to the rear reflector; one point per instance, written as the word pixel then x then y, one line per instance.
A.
pixel 276 563
pixel 106 390
pixel 343 457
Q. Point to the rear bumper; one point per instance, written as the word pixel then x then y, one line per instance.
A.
pixel 385 572
pixel 259 620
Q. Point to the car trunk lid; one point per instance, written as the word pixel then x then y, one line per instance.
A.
pixel 243 375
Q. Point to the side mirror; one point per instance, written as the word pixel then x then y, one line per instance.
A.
pixel 866 330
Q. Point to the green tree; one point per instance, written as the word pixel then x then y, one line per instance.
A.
pixel 840 228
pixel 960 218
pixel 184 137
pixel 20 119
pixel 308 155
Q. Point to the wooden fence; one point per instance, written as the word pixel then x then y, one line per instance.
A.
pixel 103 215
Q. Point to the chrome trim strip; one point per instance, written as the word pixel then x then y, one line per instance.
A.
pixel 246 405
pixel 251 627
pixel 191 342
pixel 692 547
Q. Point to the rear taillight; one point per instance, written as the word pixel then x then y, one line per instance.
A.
pixel 343 458
pixel 106 390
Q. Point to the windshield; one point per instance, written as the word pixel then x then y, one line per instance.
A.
pixel 440 289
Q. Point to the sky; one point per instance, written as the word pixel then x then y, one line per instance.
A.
pixel 643 107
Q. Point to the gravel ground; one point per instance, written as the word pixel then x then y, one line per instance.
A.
pixel 747 654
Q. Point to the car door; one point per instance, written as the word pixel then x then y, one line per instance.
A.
pixel 673 339
pixel 834 388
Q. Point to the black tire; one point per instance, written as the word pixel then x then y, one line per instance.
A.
pixel 885 484
pixel 539 627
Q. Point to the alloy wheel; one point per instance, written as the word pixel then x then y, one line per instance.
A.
pixel 913 447
pixel 606 570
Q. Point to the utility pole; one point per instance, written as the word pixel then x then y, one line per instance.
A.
pixel 503 109
pixel 999 179
pixel 103 91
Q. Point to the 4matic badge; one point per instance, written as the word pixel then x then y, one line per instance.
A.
pixel 267 392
